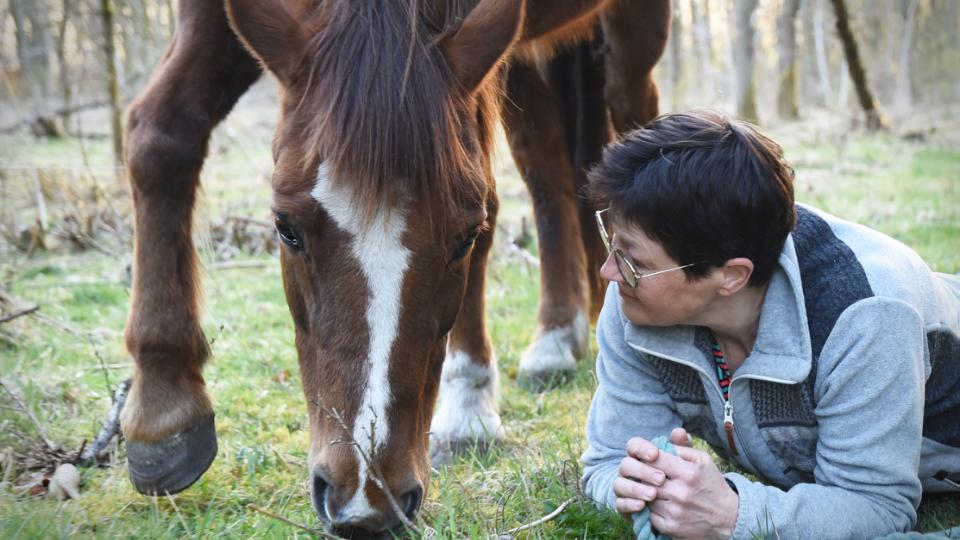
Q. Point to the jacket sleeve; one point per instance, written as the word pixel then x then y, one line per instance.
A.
pixel 869 407
pixel 629 402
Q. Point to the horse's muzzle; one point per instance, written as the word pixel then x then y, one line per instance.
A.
pixel 372 522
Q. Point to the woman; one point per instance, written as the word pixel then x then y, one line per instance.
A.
pixel 819 355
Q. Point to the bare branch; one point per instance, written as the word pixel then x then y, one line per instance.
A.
pixel 317 532
pixel 110 428
pixel 18 314
pixel 563 506
pixel 373 470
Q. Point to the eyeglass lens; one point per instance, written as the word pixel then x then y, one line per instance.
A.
pixel 626 270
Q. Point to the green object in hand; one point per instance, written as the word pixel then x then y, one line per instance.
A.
pixel 641 519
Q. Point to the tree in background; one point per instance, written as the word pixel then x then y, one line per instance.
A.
pixel 744 95
pixel 875 119
pixel 113 87
pixel 787 60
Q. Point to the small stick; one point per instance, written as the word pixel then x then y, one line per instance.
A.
pixel 376 475
pixel 373 471
pixel 563 506
pixel 318 532
pixel 26 410
pixel 110 427
pixel 18 314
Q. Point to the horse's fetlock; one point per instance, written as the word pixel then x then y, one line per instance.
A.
pixel 159 406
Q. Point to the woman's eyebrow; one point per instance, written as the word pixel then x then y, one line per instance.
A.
pixel 627 246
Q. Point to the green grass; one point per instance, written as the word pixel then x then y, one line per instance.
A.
pixel 909 191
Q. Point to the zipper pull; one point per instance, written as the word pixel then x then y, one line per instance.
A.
pixel 728 427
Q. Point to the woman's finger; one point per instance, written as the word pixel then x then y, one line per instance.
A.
pixel 627 488
pixel 634 468
pixel 629 506
pixel 680 437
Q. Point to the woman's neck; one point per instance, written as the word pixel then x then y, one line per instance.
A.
pixel 735 321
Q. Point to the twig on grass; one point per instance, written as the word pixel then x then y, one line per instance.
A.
pixel 318 532
pixel 111 426
pixel 536 523
pixel 18 314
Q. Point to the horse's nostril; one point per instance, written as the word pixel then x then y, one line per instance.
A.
pixel 411 502
pixel 318 492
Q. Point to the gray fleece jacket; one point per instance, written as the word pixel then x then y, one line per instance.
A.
pixel 847 407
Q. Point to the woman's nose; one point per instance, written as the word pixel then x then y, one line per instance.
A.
pixel 609 270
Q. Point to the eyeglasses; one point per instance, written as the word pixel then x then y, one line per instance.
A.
pixel 627 270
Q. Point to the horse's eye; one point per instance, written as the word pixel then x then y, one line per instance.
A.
pixel 287 234
pixel 464 245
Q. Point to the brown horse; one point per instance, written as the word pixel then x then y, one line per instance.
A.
pixel 385 203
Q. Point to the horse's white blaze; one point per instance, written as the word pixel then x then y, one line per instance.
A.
pixel 384 261
pixel 467 404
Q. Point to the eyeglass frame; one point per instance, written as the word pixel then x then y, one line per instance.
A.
pixel 623 260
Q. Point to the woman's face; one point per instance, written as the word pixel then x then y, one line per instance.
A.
pixel 665 299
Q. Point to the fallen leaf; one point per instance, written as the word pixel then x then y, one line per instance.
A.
pixel 65 482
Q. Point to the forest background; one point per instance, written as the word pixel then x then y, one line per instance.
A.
pixel 877 144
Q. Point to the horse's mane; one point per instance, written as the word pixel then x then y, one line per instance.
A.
pixel 381 109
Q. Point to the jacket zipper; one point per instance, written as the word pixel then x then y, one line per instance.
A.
pixel 728 426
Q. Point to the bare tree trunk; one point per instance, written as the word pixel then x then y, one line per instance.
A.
pixel 904 81
pixel 843 93
pixel 41 45
pixel 875 119
pixel 23 47
pixel 676 54
pixel 743 55
pixel 113 88
pixel 809 74
pixel 823 66
pixel 34 48
pixel 887 84
pixel 65 88
pixel 701 39
pixel 787 46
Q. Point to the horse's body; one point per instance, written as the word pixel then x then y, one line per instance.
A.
pixel 386 206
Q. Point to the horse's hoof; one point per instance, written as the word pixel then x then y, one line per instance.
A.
pixel 442 453
pixel 551 360
pixel 546 364
pixel 173 464
pixel 542 381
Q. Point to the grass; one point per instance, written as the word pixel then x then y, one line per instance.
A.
pixel 66 368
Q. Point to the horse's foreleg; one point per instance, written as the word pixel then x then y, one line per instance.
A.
pixel 636 35
pixel 534 120
pixel 466 415
pixel 168 417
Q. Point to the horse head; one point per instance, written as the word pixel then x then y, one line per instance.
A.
pixel 382 192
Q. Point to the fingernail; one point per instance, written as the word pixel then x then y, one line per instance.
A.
pixel 658 478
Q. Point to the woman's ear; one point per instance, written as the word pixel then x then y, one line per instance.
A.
pixel 735 275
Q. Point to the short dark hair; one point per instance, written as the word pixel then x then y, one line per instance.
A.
pixel 706 187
